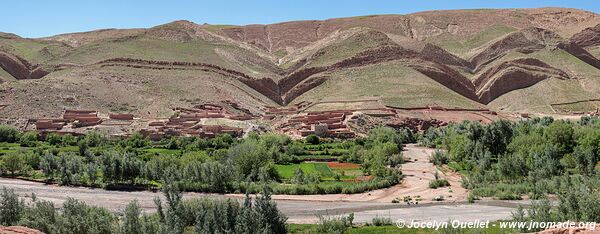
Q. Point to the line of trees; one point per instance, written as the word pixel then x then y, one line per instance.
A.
pixel 203 215
pixel 509 159
pixel 220 164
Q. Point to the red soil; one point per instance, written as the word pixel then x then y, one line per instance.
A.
pixel 339 165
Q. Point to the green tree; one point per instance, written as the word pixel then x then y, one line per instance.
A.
pixel 94 139
pixel 9 134
pixel 313 139
pixel 560 133
pixel 69 139
pixel 29 139
pixel 248 157
pixel 49 165
pixel 79 218
pixel 298 177
pixel 173 218
pixel 131 219
pixel 246 221
pixel 11 207
pixel 13 163
pixel 386 135
pixel 54 139
pixel 438 158
pixel 42 216
pixel 497 135
pixel 270 219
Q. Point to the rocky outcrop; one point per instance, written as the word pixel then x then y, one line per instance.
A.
pixel 580 53
pixel 266 87
pixel 525 41
pixel 439 55
pixel 170 65
pixel 19 68
pixel 492 83
pixel 180 31
pixel 420 26
pixel 513 75
pixel 587 37
pixel 303 87
pixel 446 77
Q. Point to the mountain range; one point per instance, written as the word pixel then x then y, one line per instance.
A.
pixel 542 60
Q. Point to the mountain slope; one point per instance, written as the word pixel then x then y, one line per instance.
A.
pixel 509 59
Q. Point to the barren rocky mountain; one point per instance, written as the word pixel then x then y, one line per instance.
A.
pixel 521 60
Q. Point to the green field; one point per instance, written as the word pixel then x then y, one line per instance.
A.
pixel 325 172
pixel 8 147
pixel 287 171
pixel 163 151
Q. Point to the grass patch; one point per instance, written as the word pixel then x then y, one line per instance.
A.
pixel 287 171
pixel 163 151
pixel 325 172
pixel 313 228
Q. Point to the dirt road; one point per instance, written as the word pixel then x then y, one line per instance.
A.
pixel 303 209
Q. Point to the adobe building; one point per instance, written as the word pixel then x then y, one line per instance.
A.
pixel 319 129
pixel 120 116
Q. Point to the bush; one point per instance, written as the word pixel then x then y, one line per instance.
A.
pixel 438 158
pixel 335 225
pixel 131 219
pixel 471 198
pixel 438 183
pixel 11 207
pixel 13 163
pixel 41 216
pixel 29 139
pixel 9 134
pixel 313 139
pixel 381 221
pixel 508 196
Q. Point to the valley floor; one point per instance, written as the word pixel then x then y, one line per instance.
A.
pixel 304 209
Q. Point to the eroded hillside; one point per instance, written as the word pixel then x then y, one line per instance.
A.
pixel 469 59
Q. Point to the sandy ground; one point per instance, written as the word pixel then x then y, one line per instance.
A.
pixel 304 209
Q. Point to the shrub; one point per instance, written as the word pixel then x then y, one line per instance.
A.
pixel 508 196
pixel 313 139
pixel 438 183
pixel 41 216
pixel 335 225
pixel 471 198
pixel 438 158
pixel 131 220
pixel 9 134
pixel 11 207
pixel 381 221
pixel 29 139
pixel 13 163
